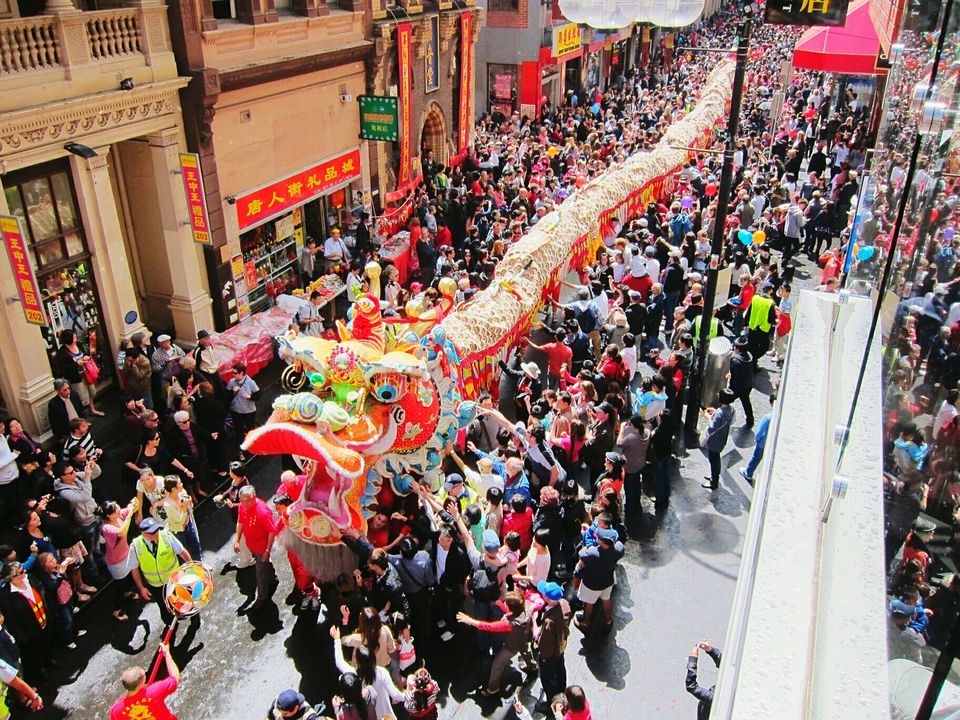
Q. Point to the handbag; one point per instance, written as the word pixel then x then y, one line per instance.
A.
pixel 704 438
pixel 64 592
pixel 90 372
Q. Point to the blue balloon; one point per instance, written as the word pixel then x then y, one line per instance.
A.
pixel 745 237
pixel 574 100
pixel 595 108
pixel 865 253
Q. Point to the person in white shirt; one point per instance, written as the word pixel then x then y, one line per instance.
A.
pixel 947 412
pixel 334 250
pixel 653 265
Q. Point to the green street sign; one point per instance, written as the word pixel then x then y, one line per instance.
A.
pixel 379 118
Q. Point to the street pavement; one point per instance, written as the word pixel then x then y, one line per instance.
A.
pixel 674 588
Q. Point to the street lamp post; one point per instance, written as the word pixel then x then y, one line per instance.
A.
pixel 719 229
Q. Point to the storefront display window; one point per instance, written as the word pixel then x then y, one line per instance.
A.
pixel 502 82
pixel 44 201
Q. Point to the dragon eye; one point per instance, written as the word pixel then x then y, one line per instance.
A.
pixel 389 387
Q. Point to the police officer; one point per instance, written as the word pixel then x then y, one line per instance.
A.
pixel 154 557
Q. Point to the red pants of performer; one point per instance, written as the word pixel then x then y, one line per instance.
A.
pixel 301 577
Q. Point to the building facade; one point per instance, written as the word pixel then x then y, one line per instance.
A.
pixel 271 110
pixel 90 138
pixel 435 88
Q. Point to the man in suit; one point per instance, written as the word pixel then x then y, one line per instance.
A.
pixel 29 618
pixel 187 442
pixel 62 408
pixel 452 563
pixel 363 244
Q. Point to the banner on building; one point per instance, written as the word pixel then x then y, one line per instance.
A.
pixel 466 78
pixel 566 39
pixel 279 197
pixel 431 60
pixel 23 275
pixel 806 12
pixel 196 199
pixel 378 118
pixel 404 55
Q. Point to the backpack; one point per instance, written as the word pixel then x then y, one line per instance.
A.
pixel 588 319
pixel 484 586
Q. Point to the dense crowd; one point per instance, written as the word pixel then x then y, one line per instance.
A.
pixel 531 515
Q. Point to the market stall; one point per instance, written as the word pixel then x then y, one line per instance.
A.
pixel 396 250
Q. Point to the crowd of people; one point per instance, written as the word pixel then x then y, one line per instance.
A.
pixel 533 509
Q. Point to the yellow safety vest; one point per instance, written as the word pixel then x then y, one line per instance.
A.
pixel 157 568
pixel 760 313
pixel 714 329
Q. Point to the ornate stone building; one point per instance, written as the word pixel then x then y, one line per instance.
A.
pixel 90 136
pixel 441 110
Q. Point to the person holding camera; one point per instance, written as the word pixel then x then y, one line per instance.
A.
pixel 703 694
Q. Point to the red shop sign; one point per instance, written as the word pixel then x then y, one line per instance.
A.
pixel 26 281
pixel 279 197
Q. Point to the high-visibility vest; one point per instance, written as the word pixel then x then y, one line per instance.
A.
pixel 714 329
pixel 760 313
pixel 4 710
pixel 157 568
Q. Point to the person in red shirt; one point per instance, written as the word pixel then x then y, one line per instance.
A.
pixel 558 354
pixel 255 524
pixel 143 701
pixel 520 521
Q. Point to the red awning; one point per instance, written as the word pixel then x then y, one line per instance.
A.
pixel 851 49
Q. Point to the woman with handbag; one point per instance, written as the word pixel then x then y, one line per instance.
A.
pixel 52 575
pixel 116 525
pixel 79 369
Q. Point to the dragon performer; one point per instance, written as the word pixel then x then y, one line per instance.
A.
pixel 375 408
pixel 362 412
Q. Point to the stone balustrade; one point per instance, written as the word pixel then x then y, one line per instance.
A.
pixel 71 53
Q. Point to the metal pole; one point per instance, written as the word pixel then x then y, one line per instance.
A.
pixel 719 229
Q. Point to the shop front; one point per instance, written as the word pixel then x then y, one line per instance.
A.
pixel 97 242
pixel 502 81
pixel 276 219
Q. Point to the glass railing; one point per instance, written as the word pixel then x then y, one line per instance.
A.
pixel 903 248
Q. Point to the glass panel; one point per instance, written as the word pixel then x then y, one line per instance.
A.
pixel 43 219
pixel 64 198
pixel 16 207
pixel 49 253
pixel 74 242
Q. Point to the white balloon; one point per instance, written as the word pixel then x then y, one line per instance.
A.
pixel 674 13
pixel 602 14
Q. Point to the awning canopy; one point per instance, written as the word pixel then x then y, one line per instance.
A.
pixel 852 49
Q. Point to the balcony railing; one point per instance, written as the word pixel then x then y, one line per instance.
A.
pixel 28 44
pixel 75 53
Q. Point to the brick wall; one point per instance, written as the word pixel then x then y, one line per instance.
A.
pixel 509 18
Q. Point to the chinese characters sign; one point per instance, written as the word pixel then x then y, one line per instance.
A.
pixel 279 197
pixel 196 200
pixel 566 39
pixel 431 60
pixel 22 270
pixel 806 12
pixel 378 118
pixel 404 53
pixel 466 77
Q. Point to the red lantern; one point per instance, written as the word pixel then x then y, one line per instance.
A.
pixel 337 198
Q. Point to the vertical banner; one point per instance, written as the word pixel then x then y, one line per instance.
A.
pixel 196 200
pixel 26 281
pixel 404 47
pixel 466 79
pixel 431 60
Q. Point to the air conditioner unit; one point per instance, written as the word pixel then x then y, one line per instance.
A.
pixel 346 97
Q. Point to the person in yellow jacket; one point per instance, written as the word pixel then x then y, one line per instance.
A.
pixel 154 557
pixel 711 334
pixel 761 322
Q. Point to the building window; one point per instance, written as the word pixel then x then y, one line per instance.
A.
pixel 502 5
pixel 43 198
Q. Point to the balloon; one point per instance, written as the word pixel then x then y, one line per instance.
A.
pixel 711 189
pixel 581 181
pixel 745 237
pixel 759 237
pixel 447 286
pixel 574 100
pixel 552 151
pixel 595 108
pixel 865 253
pixel 934 214
pixel 686 202
pixel 948 234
